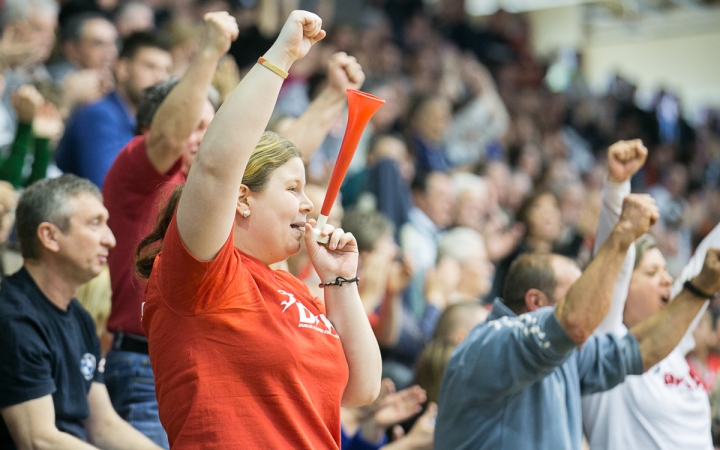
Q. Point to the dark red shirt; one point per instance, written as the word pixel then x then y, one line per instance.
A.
pixel 133 192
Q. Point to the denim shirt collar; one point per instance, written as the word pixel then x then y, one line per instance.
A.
pixel 499 309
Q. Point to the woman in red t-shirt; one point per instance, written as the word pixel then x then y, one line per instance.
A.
pixel 244 356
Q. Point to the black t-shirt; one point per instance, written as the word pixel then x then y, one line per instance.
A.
pixel 45 350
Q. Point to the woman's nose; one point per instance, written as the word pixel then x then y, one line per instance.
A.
pixel 306 205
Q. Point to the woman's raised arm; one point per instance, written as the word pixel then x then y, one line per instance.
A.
pixel 208 204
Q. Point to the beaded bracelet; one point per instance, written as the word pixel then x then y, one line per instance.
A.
pixel 339 282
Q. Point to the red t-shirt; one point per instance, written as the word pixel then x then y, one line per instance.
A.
pixel 133 192
pixel 243 356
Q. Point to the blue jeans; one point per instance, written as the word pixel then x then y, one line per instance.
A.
pixel 131 385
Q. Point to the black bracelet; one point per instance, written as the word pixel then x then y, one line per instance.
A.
pixel 696 291
pixel 339 282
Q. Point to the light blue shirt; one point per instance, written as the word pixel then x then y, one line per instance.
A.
pixel 516 381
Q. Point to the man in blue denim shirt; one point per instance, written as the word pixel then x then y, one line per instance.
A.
pixel 516 381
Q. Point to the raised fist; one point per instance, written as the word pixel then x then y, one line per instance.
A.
pixel 300 32
pixel 84 86
pixel 48 122
pixel 639 213
pixel 220 30
pixel 625 158
pixel 26 101
pixel 709 278
pixel 344 72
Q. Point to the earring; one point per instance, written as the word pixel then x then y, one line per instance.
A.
pixel 246 213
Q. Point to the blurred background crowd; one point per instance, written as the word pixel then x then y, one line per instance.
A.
pixel 482 152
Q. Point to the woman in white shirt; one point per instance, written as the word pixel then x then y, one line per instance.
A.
pixel 666 407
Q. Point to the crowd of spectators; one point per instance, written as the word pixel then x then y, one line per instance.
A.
pixel 474 160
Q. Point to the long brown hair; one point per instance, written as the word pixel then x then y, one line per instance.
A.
pixel 150 247
pixel 270 153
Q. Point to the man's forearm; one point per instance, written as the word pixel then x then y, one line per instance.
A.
pixel 588 300
pixel 179 114
pixel 113 433
pixel 660 333
pixel 56 440
pixel 310 129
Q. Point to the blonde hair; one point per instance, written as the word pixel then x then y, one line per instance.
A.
pixel 431 366
pixel 270 153
pixel 436 354
pixel 642 245
pixel 95 296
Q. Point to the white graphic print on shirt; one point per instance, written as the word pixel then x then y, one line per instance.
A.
pixel 307 318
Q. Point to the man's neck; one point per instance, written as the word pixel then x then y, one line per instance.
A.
pixel 52 282
pixel 122 93
pixel 539 245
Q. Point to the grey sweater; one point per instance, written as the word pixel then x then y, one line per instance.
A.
pixel 516 381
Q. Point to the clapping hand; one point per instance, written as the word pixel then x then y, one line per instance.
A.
pixel 48 122
pixel 26 101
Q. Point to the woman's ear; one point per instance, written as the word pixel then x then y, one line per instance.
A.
pixel 243 194
pixel 243 206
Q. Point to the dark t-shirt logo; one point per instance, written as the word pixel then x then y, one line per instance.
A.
pixel 87 366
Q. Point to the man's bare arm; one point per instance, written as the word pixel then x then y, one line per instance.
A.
pixel 107 429
pixel 660 333
pixel 179 114
pixel 588 300
pixel 310 129
pixel 32 427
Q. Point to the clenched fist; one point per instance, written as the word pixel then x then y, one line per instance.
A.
pixel 639 213
pixel 344 72
pixel 300 32
pixel 26 101
pixel 625 158
pixel 220 30
pixel 708 280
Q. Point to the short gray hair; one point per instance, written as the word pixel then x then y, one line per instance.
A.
pixel 459 244
pixel 48 201
pixel 463 181
pixel 17 10
pixel 155 95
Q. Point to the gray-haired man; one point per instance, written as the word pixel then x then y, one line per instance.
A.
pixel 51 373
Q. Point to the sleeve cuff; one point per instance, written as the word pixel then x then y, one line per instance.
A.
pixel 358 443
pixel 631 348
pixel 616 189
pixel 558 339
pixel 17 396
